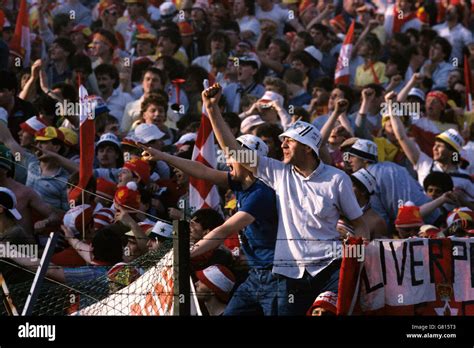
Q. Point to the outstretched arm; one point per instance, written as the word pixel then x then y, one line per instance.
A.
pixel 193 168
pixel 341 106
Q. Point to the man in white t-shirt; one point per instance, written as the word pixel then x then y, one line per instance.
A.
pixel 267 10
pixel 311 196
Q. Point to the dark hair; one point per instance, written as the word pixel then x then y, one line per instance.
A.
pixel 208 218
pixel 173 68
pixel 374 43
pixel 59 21
pixel 218 36
pixel 67 90
pixel 284 47
pixel 155 71
pixel 173 35
pixel 81 62
pixel 304 57
pixel 46 105
pixel 414 32
pixel 271 130
pixel 67 45
pixel 232 119
pixel 155 99
pixel 231 25
pixel 107 246
pixel 294 76
pixel 197 74
pixel 348 93
pixel 400 61
pixel 110 70
pixel 308 39
pixel 322 28
pixel 445 46
pixel 324 82
pixel 250 4
pixel 138 68
pixel 402 38
pixel 8 80
pixel 438 179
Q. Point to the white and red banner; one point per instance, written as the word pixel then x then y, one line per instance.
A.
pixel 415 276
pixel 87 142
pixel 150 295
pixel 342 74
pixel 21 42
pixel 202 193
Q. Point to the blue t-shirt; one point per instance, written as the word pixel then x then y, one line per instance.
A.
pixel 259 238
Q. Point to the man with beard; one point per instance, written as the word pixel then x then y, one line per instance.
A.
pixel 108 81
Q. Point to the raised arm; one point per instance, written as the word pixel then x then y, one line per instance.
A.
pixel 407 144
pixel 415 79
pixel 193 168
pixel 340 108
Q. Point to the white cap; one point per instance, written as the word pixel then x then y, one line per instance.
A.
pixel 272 96
pixel 73 217
pixel 366 179
pixel 148 132
pixel 304 133
pixel 168 9
pixel 162 229
pixel 8 201
pixel 453 138
pixel 315 53
pixel 254 143
pixel 185 138
pixel 364 149
pixel 416 92
pixel 108 138
pixel 3 115
pixel 250 122
pixel 250 57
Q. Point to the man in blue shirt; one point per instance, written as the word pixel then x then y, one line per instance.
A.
pixel 256 216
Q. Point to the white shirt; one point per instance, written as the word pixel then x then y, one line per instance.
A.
pixel 250 23
pixel 425 165
pixel 308 210
pixel 203 62
pixel 277 14
pixel 469 148
pixel 131 114
pixel 458 37
pixel 117 103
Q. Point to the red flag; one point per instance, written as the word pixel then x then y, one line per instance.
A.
pixel 86 146
pixel 20 42
pixel 342 74
pixel 202 193
pixel 468 81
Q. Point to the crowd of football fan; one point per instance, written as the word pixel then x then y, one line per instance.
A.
pixel 384 150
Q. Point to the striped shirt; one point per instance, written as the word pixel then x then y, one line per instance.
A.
pixel 52 189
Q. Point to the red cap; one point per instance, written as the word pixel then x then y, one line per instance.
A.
pixel 219 279
pixel 326 300
pixel 128 196
pixel 105 188
pixel 408 216
pixel 140 168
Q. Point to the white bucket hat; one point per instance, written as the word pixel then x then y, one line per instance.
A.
pixel 304 133
pixel 254 143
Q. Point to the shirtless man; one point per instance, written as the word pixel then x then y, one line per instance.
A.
pixel 27 198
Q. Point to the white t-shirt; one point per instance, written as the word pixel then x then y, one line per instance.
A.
pixel 203 62
pixel 425 165
pixel 308 210
pixel 277 14
pixel 250 23
pixel 117 103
